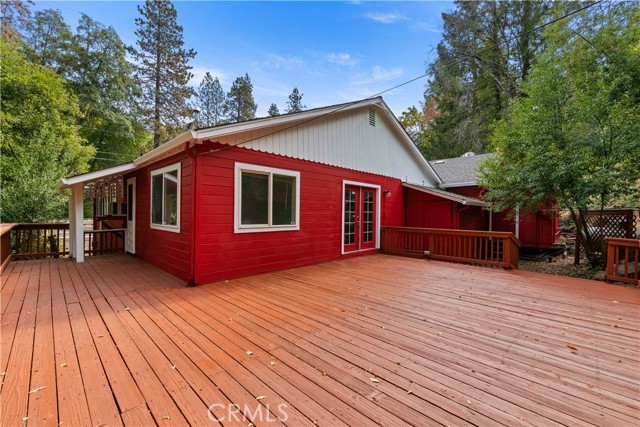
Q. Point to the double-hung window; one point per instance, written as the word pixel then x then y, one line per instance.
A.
pixel 266 199
pixel 165 198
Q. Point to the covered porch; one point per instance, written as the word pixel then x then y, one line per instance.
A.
pixel 375 340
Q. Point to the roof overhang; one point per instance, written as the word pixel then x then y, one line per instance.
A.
pixel 467 201
pixel 458 184
pixel 198 136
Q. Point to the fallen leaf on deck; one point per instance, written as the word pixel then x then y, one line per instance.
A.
pixel 571 347
pixel 249 352
pixel 63 365
pixel 25 418
pixel 37 389
pixel 2 374
pixel 615 302
pixel 166 417
pixel 260 397
pixel 173 367
pixel 272 363
pixel 409 391
pixel 375 380
pixel 126 309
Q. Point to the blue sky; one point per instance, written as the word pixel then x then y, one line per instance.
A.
pixel 333 52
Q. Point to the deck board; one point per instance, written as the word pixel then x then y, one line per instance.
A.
pixel 115 341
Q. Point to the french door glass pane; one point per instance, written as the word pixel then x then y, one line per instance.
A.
pixel 349 217
pixel 367 214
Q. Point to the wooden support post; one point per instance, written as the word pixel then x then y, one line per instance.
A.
pixel 72 231
pixel 78 221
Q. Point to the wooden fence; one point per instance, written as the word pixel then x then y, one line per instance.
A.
pixel 496 249
pixel 622 260
pixel 31 241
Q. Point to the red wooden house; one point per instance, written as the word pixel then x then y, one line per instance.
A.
pixel 459 175
pixel 266 194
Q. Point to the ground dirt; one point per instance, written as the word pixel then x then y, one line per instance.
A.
pixel 559 266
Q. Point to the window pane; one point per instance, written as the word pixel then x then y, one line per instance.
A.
pixel 283 207
pixel 254 200
pixel 156 199
pixel 171 198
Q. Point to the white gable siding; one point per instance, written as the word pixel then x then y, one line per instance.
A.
pixel 344 139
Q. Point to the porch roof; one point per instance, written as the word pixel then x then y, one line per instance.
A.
pixel 448 195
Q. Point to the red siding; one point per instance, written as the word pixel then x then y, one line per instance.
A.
pixel 431 211
pixel 222 254
pixel 164 249
pixel 537 229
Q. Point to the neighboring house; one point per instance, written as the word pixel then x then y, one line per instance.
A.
pixel 266 194
pixel 459 175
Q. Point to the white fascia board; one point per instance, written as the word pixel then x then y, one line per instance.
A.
pixel 458 184
pixel 409 142
pixel 216 132
pixel 92 176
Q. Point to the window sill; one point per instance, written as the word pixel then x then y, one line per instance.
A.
pixel 170 228
pixel 259 229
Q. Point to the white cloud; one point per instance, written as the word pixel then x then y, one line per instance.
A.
pixel 341 59
pixel 423 26
pixel 386 18
pixel 278 61
pixel 199 72
pixel 377 74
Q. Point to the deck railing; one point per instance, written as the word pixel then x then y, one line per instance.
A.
pixel 30 241
pixel 485 248
pixel 102 242
pixel 622 260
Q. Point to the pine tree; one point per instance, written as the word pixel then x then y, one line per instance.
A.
pixel 163 68
pixel 273 110
pixel 240 105
pixel 210 101
pixel 294 104
pixel 48 40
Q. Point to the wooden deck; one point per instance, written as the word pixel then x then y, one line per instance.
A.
pixel 377 340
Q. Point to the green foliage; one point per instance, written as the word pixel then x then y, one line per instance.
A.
pixel 240 105
pixel 15 14
pixel 162 69
pixel 210 101
pixel 483 58
pixel 273 110
pixel 573 139
pixel 39 142
pixel 48 39
pixel 419 126
pixel 294 104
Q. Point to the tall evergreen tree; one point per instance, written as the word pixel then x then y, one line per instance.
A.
pixel 162 68
pixel 273 110
pixel 484 57
pixel 294 104
pixel 48 39
pixel 240 105
pixel 210 101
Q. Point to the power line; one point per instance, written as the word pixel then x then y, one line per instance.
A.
pixel 443 67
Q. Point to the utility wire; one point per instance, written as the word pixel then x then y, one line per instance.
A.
pixel 442 67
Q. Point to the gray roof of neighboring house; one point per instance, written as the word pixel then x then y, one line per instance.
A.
pixel 447 195
pixel 459 170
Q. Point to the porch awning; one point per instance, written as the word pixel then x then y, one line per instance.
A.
pixel 470 201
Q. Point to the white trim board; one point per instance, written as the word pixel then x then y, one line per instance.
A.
pixel 378 217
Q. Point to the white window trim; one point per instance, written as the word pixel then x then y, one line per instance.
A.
pixel 378 219
pixel 165 227
pixel 245 167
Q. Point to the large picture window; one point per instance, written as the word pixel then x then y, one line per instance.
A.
pixel 267 199
pixel 165 198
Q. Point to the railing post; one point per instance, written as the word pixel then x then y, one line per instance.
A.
pixel 611 250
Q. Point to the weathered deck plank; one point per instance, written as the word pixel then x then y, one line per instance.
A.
pixel 118 342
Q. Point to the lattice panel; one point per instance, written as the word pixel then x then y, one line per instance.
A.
pixel 622 223
pixel 109 188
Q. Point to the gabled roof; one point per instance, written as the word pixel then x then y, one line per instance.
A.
pixel 259 127
pixel 459 171
pixel 447 195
